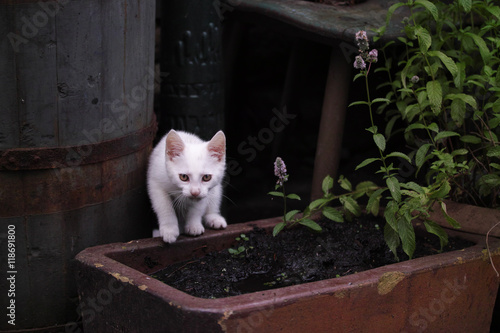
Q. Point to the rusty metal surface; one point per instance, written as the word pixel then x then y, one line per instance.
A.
pixel 457 287
pixel 61 157
pixel 330 22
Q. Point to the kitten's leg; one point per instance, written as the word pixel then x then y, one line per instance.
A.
pixel 193 226
pixel 213 219
pixel 164 209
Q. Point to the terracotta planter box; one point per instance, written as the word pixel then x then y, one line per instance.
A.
pixel 449 292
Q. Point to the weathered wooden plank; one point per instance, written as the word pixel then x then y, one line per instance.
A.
pixel 116 109
pixel 36 77
pixel 9 123
pixel 79 66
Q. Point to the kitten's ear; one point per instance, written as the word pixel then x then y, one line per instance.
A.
pixel 217 146
pixel 174 145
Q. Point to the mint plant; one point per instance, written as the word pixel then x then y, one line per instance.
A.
pixel 444 96
pixel 445 91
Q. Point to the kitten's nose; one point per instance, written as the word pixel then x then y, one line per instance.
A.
pixel 195 192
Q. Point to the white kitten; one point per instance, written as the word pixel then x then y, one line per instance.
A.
pixel 184 183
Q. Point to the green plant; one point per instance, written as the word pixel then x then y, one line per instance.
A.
pixel 446 92
pixel 443 95
pixel 240 249
pixel 293 217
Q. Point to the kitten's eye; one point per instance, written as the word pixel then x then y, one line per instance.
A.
pixel 183 177
pixel 206 178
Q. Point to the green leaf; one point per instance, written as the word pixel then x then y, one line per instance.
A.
pixel 398 154
pixel 390 214
pixel 310 224
pixel 317 203
pixel 327 184
pixel 413 186
pixel 391 239
pixel 495 165
pixel 333 214
pixel 462 151
pixel 447 61
pixel 351 205
pixel 421 154
pixel 366 186
pixel 470 139
pixel 448 218
pixel 391 11
pixel 407 235
pixel 357 76
pixel 379 141
pixel 481 45
pixel 373 204
pixel 380 100
pixel 435 95
pixel 445 134
pixel 458 111
pixel 430 7
pixel 436 229
pixel 278 227
pixel 415 126
pixel 424 38
pixel 466 5
pixel 493 151
pixel 345 184
pixel 394 187
pixel 293 196
pixel 276 194
pixel 442 191
pixel 358 103
pixel 366 162
pixel 291 214
pixel 464 97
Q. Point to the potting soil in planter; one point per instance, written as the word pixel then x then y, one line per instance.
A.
pixel 260 261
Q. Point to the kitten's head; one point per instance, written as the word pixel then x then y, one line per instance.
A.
pixel 195 166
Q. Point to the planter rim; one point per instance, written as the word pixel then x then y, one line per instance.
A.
pixel 469 218
pixel 101 258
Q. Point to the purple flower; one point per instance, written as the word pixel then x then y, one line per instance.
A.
pixel 362 40
pixel 372 56
pixel 414 79
pixel 280 171
pixel 359 63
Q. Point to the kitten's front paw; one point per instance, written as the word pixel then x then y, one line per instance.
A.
pixel 194 229
pixel 215 221
pixel 169 235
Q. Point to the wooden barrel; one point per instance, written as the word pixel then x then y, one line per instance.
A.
pixel 76 127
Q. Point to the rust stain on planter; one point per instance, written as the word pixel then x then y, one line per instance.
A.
pixel 222 321
pixel 122 278
pixel 388 281
pixel 459 261
pixel 486 254
pixel 340 294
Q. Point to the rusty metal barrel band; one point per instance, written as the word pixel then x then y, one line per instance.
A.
pixel 72 156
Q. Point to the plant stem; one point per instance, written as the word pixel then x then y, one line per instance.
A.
pixel 371 117
pixel 284 203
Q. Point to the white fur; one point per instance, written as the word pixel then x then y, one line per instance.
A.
pixel 181 205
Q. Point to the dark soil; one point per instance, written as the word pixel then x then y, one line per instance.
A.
pixel 292 257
